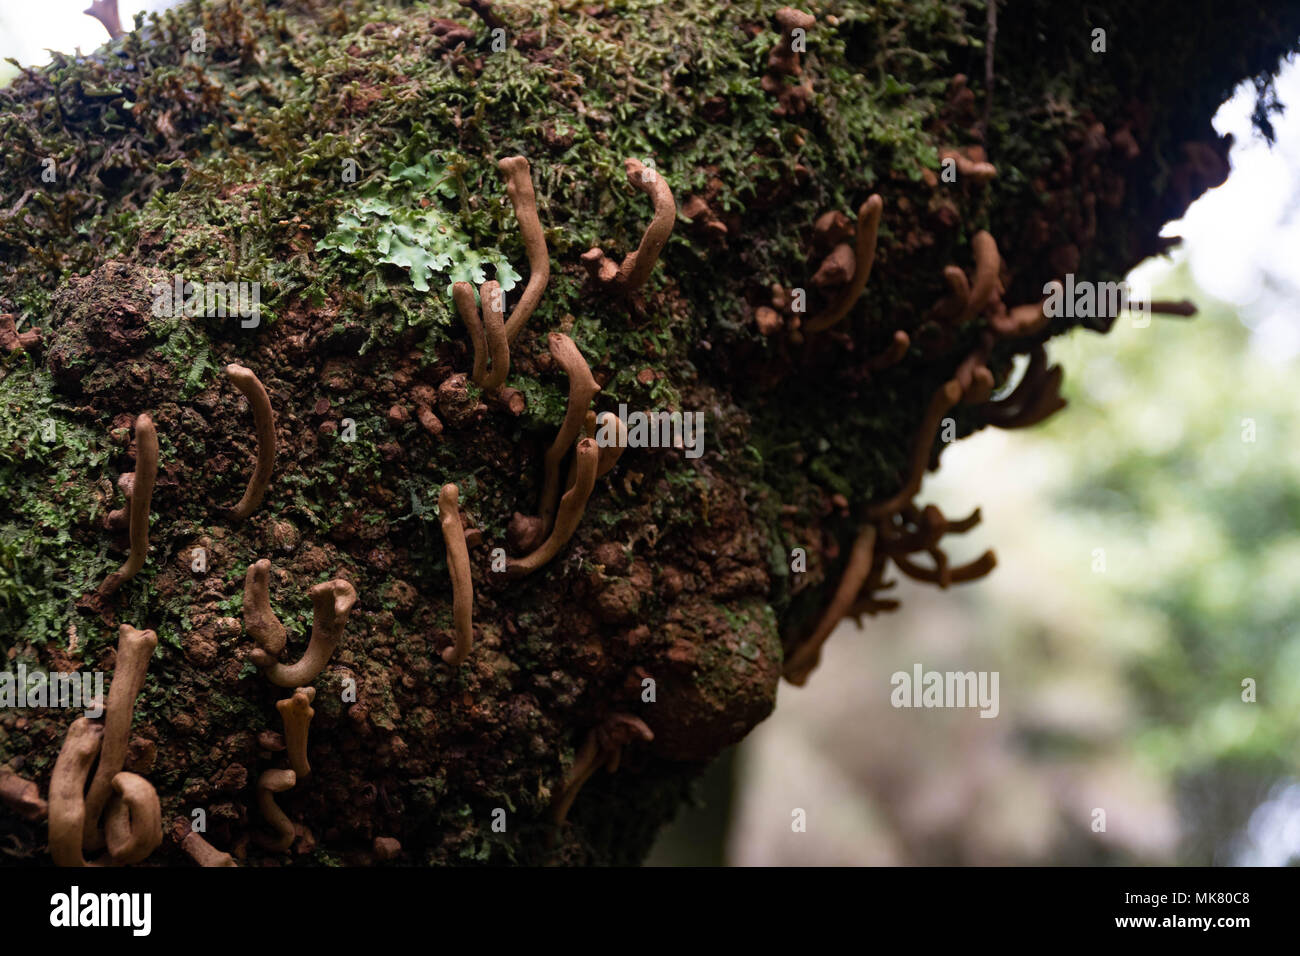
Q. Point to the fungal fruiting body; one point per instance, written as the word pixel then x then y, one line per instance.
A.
pixel 297 712
pixel 141 497
pixel 519 187
pixel 462 585
pixel 945 397
pixel 569 514
pixel 105 11
pixel 67 791
pixel 332 601
pixel 914 530
pixel 264 421
pixel 582 389
pixel 133 820
pixel 864 255
pixel 11 340
pixel 22 796
pixel 808 653
pixel 134 648
pixel 611 450
pixel 972 167
pixel 784 61
pixel 269 784
pixel 603 745
pixel 486 332
pixel 259 620
pixel 1035 397
pixel 204 853
pixel 635 269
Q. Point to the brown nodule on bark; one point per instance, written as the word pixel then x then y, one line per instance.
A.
pixel 633 272
pixel 569 515
pixel 146 472
pixel 462 585
pixel 296 712
pixel 332 602
pixel 134 649
pixel 264 420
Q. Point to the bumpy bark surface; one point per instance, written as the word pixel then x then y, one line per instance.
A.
pixel 230 163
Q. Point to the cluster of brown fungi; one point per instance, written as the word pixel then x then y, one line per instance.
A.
pixel 118 812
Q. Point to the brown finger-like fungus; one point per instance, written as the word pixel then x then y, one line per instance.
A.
pixel 864 255
pixel 988 263
pixel 67 791
pixel 462 585
pixel 259 620
pixel 134 648
pixel 146 472
pixel 264 419
pixel 519 187
pixel 11 340
pixel 269 784
pixel 611 450
pixel 462 294
pixel 204 853
pixel 636 266
pixel 922 530
pixel 1037 396
pixel 331 601
pixel 603 745
pixel 808 654
pixel 976 170
pixel 486 332
pixel 945 397
pixel 22 796
pixel 105 11
pixel 569 514
pixel 582 389
pixel 892 355
pixel 297 712
pixel 133 820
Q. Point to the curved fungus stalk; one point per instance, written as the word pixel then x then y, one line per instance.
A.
pixel 808 654
pixel 332 602
pixel 296 712
pixel 264 420
pixel 269 784
pixel 204 853
pixel 569 515
pixel 894 353
pixel 922 530
pixel 945 397
pixel 105 11
pixel 864 254
pixel 67 786
pixel 519 187
pixel 462 584
pixel 141 497
pixel 134 648
pixel 612 452
pixel 22 796
pixel 259 620
pixel 133 821
pixel 968 167
pixel 486 332
pixel 633 272
pixel 988 264
pixel 582 389
pixel 1037 396
pixel 603 745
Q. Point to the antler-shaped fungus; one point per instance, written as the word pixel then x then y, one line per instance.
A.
pixel 808 654
pixel 922 530
pixel 11 340
pixel 569 514
pixel 134 648
pixel 582 389
pixel 864 256
pixel 105 11
pixel 945 397
pixel 264 418
pixel 269 784
pixel 603 745
pixel 519 187
pixel 635 268
pixel 1037 396
pixel 141 496
pixel 133 821
pixel 332 601
pixel 259 620
pixel 67 791
pixel 462 584
pixel 296 712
